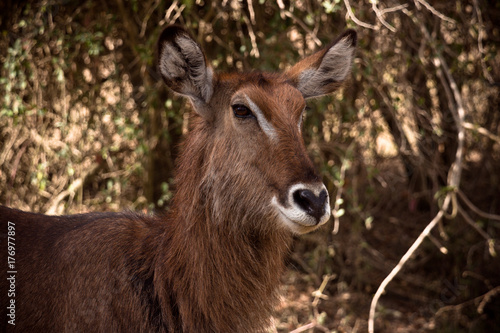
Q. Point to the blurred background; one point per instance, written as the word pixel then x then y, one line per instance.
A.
pixel 86 124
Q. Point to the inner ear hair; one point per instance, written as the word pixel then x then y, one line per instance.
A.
pixel 324 71
pixel 183 66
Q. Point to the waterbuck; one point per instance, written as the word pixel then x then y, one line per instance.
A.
pixel 212 263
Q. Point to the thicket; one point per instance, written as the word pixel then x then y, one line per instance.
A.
pixel 411 142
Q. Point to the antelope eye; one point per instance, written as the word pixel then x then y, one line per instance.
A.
pixel 241 111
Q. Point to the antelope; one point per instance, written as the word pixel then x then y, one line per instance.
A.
pixel 212 262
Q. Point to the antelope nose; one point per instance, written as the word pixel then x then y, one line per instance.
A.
pixel 314 205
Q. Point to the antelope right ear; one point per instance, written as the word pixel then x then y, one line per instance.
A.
pixel 183 65
pixel 324 71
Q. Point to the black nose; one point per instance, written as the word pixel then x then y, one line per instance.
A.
pixel 310 203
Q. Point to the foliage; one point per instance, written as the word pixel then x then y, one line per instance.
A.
pixel 86 124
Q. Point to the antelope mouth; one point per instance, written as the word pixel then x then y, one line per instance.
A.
pixel 306 209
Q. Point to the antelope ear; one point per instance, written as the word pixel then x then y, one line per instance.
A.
pixel 183 65
pixel 324 71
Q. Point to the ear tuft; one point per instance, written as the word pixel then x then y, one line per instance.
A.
pixel 324 71
pixel 349 36
pixel 183 65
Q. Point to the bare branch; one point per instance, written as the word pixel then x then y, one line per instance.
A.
pixel 144 24
pixel 454 174
pixel 304 328
pixel 434 11
pixel 477 210
pixel 470 222
pixel 483 131
pixel 380 16
pixel 480 45
pixel 252 12
pixel 338 197
pixel 318 294
pixel 355 19
pixel 170 10
pixel 486 298
pixel 404 259
pixel 178 11
pixel 306 267
pixel 438 244
pixel 309 326
pixel 393 9
pixel 253 39
pixel 282 8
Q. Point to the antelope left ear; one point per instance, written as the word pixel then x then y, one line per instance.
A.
pixel 183 65
pixel 324 71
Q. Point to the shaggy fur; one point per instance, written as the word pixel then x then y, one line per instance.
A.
pixel 213 262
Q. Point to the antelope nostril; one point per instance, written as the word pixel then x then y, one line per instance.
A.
pixel 310 203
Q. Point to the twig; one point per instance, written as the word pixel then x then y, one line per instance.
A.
pixel 478 277
pixel 469 221
pixel 483 131
pixel 457 306
pixel 477 210
pixel 340 187
pixel 251 11
pixel 309 326
pixel 304 328
pixel 393 9
pixel 170 10
pixel 130 27
pixel 144 24
pixel 380 16
pixel 48 146
pixel 255 49
pixel 72 188
pixel 355 19
pixel 480 36
pixel 178 13
pixel 303 26
pixel 282 8
pixel 436 242
pixel 168 13
pixel 318 294
pixel 306 267
pixel 357 324
pixel 486 298
pixel 15 164
pixel 404 259
pixel 7 149
pixel 434 11
pixel 458 113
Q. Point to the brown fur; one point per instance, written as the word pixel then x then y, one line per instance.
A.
pixel 213 262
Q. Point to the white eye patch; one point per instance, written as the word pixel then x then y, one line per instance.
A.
pixel 265 125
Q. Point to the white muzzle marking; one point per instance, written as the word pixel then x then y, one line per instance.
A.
pixel 294 216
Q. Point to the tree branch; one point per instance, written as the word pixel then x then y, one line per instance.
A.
pixel 454 174
pixel 355 19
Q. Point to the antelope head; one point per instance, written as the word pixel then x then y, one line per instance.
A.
pixel 246 142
